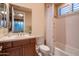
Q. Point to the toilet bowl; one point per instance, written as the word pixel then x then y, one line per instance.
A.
pixel 45 50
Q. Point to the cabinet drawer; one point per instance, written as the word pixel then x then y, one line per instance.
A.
pixel 15 51
pixel 20 43
pixel 32 40
pixel 6 45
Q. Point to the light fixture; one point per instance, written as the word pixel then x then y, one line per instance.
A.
pixel 3 12
pixel 20 15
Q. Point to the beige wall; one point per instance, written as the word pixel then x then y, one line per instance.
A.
pixel 38 21
pixel 28 21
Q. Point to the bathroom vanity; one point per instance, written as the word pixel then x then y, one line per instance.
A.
pixel 18 47
pixel 16 19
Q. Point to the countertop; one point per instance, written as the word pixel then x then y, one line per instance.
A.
pixel 8 38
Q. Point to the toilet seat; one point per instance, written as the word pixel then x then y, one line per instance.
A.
pixel 44 48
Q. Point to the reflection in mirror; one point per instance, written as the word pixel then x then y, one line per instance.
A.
pixel 18 22
pixel 3 13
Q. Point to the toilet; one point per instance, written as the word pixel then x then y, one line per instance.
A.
pixel 43 50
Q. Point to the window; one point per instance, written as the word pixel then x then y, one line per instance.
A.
pixel 75 6
pixel 67 8
pixel 64 9
pixel 59 11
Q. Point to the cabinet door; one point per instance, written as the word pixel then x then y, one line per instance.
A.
pixel 16 51
pixel 29 50
pixel 25 51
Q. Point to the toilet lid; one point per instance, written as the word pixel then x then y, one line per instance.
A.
pixel 44 47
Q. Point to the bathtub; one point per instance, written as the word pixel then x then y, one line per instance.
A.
pixel 59 52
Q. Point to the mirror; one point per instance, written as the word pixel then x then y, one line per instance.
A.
pixel 20 19
pixel 3 13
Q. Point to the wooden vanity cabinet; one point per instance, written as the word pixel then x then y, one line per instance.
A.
pixel 24 47
pixel 15 51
